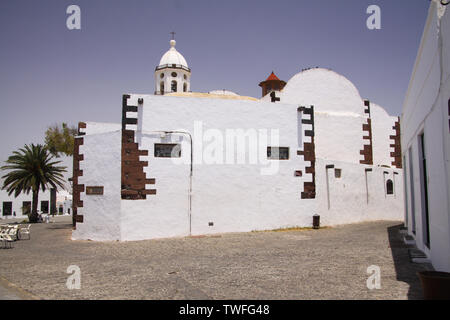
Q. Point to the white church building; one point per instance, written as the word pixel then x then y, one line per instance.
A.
pixel 186 163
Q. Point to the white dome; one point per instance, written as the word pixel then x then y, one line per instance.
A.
pixel 327 90
pixel 224 92
pixel 173 57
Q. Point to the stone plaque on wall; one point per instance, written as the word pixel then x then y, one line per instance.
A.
pixel 94 190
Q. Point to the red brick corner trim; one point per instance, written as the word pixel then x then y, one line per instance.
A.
pixel 77 188
pixel 309 154
pixel 133 177
pixel 397 153
pixel 367 151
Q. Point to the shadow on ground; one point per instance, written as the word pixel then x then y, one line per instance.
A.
pixel 406 270
pixel 60 226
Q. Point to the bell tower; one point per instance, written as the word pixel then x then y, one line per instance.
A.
pixel 272 83
pixel 172 74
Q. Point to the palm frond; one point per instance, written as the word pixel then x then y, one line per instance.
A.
pixel 31 168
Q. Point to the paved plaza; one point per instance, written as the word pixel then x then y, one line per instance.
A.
pixel 329 263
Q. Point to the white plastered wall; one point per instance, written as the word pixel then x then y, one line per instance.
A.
pixel 382 129
pixel 101 166
pixel 237 197
pixel 425 111
pixel 350 199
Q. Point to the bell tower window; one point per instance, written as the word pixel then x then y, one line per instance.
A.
pixel 161 86
pixel 174 86
pixel 184 87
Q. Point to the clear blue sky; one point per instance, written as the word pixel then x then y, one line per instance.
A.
pixel 49 74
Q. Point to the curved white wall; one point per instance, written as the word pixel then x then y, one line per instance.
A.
pixel 339 112
pixel 327 90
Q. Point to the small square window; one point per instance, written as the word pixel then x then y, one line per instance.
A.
pixel 44 206
pixel 278 153
pixel 167 150
pixel 26 207
pixel 337 173
pixel 7 208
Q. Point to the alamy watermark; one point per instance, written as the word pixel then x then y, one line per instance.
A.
pixel 74 280
pixel 373 22
pixel 73 21
pixel 374 280
pixel 230 147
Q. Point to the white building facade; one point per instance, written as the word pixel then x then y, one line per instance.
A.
pixel 191 164
pixel 425 141
pixel 50 202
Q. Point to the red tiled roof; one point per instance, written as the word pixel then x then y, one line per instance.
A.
pixel 272 77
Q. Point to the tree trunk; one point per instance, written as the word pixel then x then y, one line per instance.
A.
pixel 34 215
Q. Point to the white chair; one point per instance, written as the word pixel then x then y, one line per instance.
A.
pixel 24 230
pixel 12 231
pixel 4 229
pixel 6 239
pixel 3 240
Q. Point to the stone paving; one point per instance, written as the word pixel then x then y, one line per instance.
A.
pixel 329 263
pixel 7 293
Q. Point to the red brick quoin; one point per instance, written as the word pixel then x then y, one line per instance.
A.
pixel 133 177
pixel 77 189
pixel 397 154
pixel 367 150
pixel 309 154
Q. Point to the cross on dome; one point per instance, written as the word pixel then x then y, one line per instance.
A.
pixel 172 41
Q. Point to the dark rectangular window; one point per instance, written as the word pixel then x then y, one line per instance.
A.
pixel 52 200
pixel 389 186
pixel 337 173
pixel 7 208
pixel 173 86
pixel 167 150
pixel 44 206
pixel 424 191
pixel 278 153
pixel 405 187
pixel 412 191
pixel 26 207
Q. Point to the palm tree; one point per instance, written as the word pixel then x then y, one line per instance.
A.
pixel 31 169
